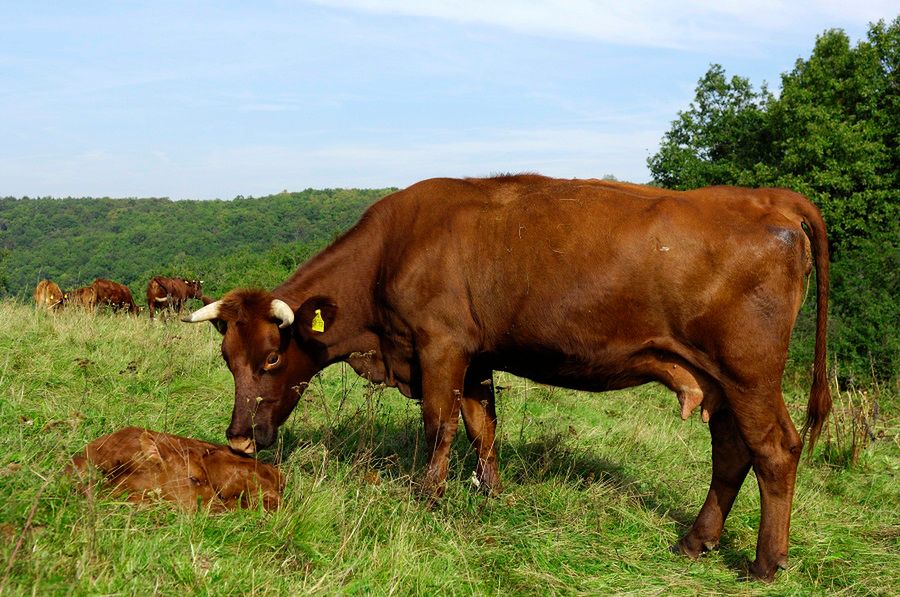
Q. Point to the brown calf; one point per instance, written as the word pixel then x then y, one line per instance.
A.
pixel 189 472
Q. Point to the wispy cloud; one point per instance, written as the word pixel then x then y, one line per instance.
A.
pixel 647 23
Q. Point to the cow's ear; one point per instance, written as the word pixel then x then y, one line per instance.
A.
pixel 150 448
pixel 220 324
pixel 315 316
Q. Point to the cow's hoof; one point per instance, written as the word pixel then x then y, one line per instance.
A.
pixel 487 483
pixel 431 493
pixel 765 572
pixel 692 548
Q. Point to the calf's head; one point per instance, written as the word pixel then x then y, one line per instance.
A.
pixel 272 354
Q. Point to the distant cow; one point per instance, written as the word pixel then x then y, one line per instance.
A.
pixel 48 295
pixel 84 298
pixel 584 284
pixel 171 293
pixel 189 472
pixel 114 295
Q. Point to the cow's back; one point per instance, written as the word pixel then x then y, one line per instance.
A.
pixel 113 294
pixel 587 269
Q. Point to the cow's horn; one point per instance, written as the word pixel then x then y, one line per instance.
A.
pixel 210 311
pixel 282 312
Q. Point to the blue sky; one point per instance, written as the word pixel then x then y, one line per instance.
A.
pixel 217 99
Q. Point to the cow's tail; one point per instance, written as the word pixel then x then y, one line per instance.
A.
pixel 819 405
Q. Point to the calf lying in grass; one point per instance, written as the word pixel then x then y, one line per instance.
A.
pixel 191 473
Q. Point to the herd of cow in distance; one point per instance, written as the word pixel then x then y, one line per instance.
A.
pixel 585 284
pixel 162 293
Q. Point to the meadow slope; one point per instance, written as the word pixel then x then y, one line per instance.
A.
pixel 597 487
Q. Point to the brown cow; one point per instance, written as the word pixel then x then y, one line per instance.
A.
pixel 186 471
pixel 114 295
pixel 83 297
pixel 48 295
pixel 577 283
pixel 171 293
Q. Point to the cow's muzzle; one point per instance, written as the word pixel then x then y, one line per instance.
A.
pixel 241 444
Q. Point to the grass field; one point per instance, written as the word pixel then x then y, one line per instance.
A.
pixel 597 486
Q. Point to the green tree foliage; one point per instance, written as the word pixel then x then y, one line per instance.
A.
pixel 246 241
pixel 4 281
pixel 833 134
pixel 716 141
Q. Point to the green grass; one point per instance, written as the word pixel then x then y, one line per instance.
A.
pixel 597 486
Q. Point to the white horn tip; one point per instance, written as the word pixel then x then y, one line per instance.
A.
pixel 282 312
pixel 206 313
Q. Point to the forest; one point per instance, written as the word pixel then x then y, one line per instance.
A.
pixel 245 241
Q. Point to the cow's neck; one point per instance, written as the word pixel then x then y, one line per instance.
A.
pixel 345 272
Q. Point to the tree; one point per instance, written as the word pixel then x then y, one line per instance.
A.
pixel 719 139
pixel 829 137
pixel 833 134
pixel 4 280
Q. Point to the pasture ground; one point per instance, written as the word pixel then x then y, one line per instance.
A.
pixel 597 486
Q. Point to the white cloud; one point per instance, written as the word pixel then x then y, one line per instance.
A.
pixel 652 23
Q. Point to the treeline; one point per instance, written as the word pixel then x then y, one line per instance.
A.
pixel 833 134
pixel 245 241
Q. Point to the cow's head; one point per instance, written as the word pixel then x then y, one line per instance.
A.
pixel 271 355
pixel 195 288
pixel 54 296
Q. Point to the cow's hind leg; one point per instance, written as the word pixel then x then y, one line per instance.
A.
pixel 730 464
pixel 775 448
pixel 480 416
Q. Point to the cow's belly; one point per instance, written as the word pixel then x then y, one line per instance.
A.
pixel 639 365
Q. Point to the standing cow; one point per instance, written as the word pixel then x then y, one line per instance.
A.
pixel 48 295
pixel 578 283
pixel 83 298
pixel 171 293
pixel 114 295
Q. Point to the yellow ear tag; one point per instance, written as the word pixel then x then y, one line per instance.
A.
pixel 318 324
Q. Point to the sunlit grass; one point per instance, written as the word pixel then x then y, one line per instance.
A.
pixel 596 486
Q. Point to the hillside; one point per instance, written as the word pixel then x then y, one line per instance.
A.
pixel 73 241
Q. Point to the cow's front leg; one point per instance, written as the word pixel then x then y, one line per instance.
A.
pixel 480 417
pixel 442 391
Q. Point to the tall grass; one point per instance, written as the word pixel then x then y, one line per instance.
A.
pixel 597 486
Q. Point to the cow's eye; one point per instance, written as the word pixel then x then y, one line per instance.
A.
pixel 272 361
pixel 195 481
